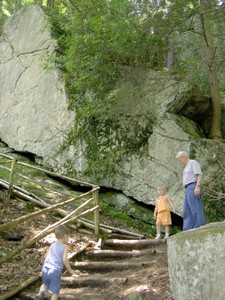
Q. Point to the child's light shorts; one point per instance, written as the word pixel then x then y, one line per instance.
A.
pixel 52 278
pixel 164 218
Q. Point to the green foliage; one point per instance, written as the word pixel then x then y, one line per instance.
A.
pixel 30 207
pixel 96 39
pixel 135 216
pixel 189 39
pixel 214 208
pixel 108 142
pixel 213 201
pixel 127 220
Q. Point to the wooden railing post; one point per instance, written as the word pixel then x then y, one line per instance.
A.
pixel 96 212
pixel 11 177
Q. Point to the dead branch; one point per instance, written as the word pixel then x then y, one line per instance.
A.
pixel 117 230
pixel 25 195
pixel 75 181
pixel 19 288
pixel 92 226
pixel 78 251
pixel 84 231
pixel 43 211
pixel 45 232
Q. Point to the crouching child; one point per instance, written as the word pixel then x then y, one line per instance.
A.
pixel 56 258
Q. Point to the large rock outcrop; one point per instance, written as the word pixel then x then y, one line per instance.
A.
pixel 132 150
pixel 196 261
pixel 33 108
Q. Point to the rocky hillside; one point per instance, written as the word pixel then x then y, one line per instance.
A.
pixel 132 149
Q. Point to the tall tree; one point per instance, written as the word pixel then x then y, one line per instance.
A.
pixel 51 3
pixel 17 5
pixel 198 38
pixel 210 50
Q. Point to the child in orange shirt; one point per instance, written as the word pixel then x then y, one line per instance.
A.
pixel 162 212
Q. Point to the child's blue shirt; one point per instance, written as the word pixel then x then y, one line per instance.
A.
pixel 54 259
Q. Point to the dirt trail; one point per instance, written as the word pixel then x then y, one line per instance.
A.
pixel 132 272
pixel 117 273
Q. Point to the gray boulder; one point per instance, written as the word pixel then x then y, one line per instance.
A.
pixel 196 262
pixel 34 108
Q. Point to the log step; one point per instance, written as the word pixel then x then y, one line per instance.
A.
pixel 68 294
pixel 94 266
pixel 131 244
pixel 116 254
pixel 80 294
pixel 89 296
pixel 83 281
pixel 122 236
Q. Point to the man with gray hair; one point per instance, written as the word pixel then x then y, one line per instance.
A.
pixel 193 214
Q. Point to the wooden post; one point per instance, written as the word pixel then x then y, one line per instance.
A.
pixel 96 212
pixel 11 177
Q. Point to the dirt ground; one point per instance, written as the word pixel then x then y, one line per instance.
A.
pixel 150 283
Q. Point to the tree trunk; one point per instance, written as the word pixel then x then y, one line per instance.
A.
pixel 17 5
pixel 51 3
pixel 171 55
pixel 210 50
pixel 39 2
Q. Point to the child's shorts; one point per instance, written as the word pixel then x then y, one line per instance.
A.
pixel 164 218
pixel 52 278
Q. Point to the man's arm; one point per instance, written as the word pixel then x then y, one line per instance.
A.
pixel 197 189
pixel 199 180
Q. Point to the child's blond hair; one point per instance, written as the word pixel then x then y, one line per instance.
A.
pixel 61 230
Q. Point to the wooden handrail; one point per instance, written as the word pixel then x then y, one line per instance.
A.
pixel 94 191
pixel 49 172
